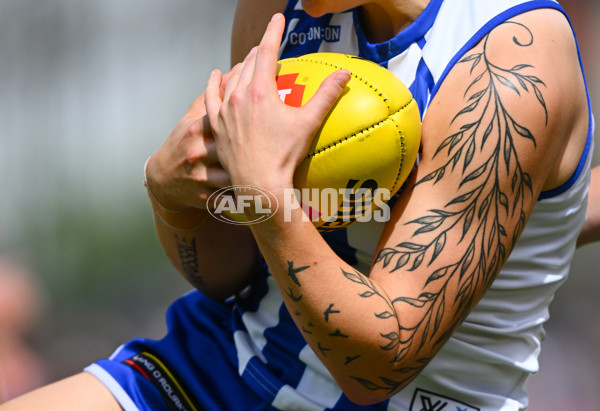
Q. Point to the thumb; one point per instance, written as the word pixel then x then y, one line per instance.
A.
pixel 327 94
pixel 197 109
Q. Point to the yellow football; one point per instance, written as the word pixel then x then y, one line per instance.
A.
pixel 365 148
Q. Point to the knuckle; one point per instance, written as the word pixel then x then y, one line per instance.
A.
pixel 194 129
pixel 236 97
pixel 257 91
pixel 265 50
pixel 195 153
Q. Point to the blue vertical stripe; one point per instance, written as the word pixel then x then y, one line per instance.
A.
pixel 284 343
pixel 422 87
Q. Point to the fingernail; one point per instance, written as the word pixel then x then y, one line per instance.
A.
pixel 342 77
pixel 276 16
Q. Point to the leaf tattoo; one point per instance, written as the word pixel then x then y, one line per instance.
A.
pixel 479 209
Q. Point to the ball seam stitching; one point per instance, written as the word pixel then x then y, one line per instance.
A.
pixel 371 127
pixel 402 155
pixel 362 131
pixel 369 84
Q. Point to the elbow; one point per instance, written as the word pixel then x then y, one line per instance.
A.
pixel 365 400
pixel 377 379
pixel 367 397
pixel 365 392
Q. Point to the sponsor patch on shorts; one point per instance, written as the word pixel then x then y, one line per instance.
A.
pixel 428 401
pixel 163 379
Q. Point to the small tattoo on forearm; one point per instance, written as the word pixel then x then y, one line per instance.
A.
pixel 329 311
pixel 293 271
pixel 293 297
pixel 338 333
pixel 350 359
pixel 188 256
pixel 323 349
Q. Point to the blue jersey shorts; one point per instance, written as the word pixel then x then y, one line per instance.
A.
pixel 194 367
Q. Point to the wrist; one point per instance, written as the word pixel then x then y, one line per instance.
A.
pixel 263 177
pixel 186 218
pixel 155 193
pixel 183 220
pixel 281 204
pixel 255 202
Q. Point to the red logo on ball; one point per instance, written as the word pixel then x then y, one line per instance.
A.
pixel 290 92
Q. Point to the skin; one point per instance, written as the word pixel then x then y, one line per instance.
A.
pixel 449 233
pixel 186 169
pixel 81 392
pixel 454 227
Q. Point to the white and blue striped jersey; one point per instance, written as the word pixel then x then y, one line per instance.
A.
pixel 486 362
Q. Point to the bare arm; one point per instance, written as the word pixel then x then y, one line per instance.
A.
pixel 185 170
pixel 484 162
pixel 180 176
pixel 79 392
pixel 591 230
pixel 251 18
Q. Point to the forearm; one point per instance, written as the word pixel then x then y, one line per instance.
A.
pixel 201 249
pixel 344 316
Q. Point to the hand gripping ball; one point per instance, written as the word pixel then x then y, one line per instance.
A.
pixel 365 148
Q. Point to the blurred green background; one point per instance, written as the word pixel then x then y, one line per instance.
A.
pixel 88 90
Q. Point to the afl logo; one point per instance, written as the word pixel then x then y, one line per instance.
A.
pixel 229 204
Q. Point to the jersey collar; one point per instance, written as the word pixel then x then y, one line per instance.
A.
pixel 382 52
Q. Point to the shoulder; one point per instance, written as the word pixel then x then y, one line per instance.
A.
pixel 522 79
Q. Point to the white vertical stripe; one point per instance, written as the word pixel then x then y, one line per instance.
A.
pixel 266 316
pixel 245 350
pixel 348 42
pixel 316 381
pixel 404 65
pixel 250 344
pixel 291 400
pixel 315 391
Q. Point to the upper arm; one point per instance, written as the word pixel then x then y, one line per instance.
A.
pixel 489 147
pixel 249 23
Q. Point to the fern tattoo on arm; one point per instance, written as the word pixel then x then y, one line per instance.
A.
pixel 481 205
